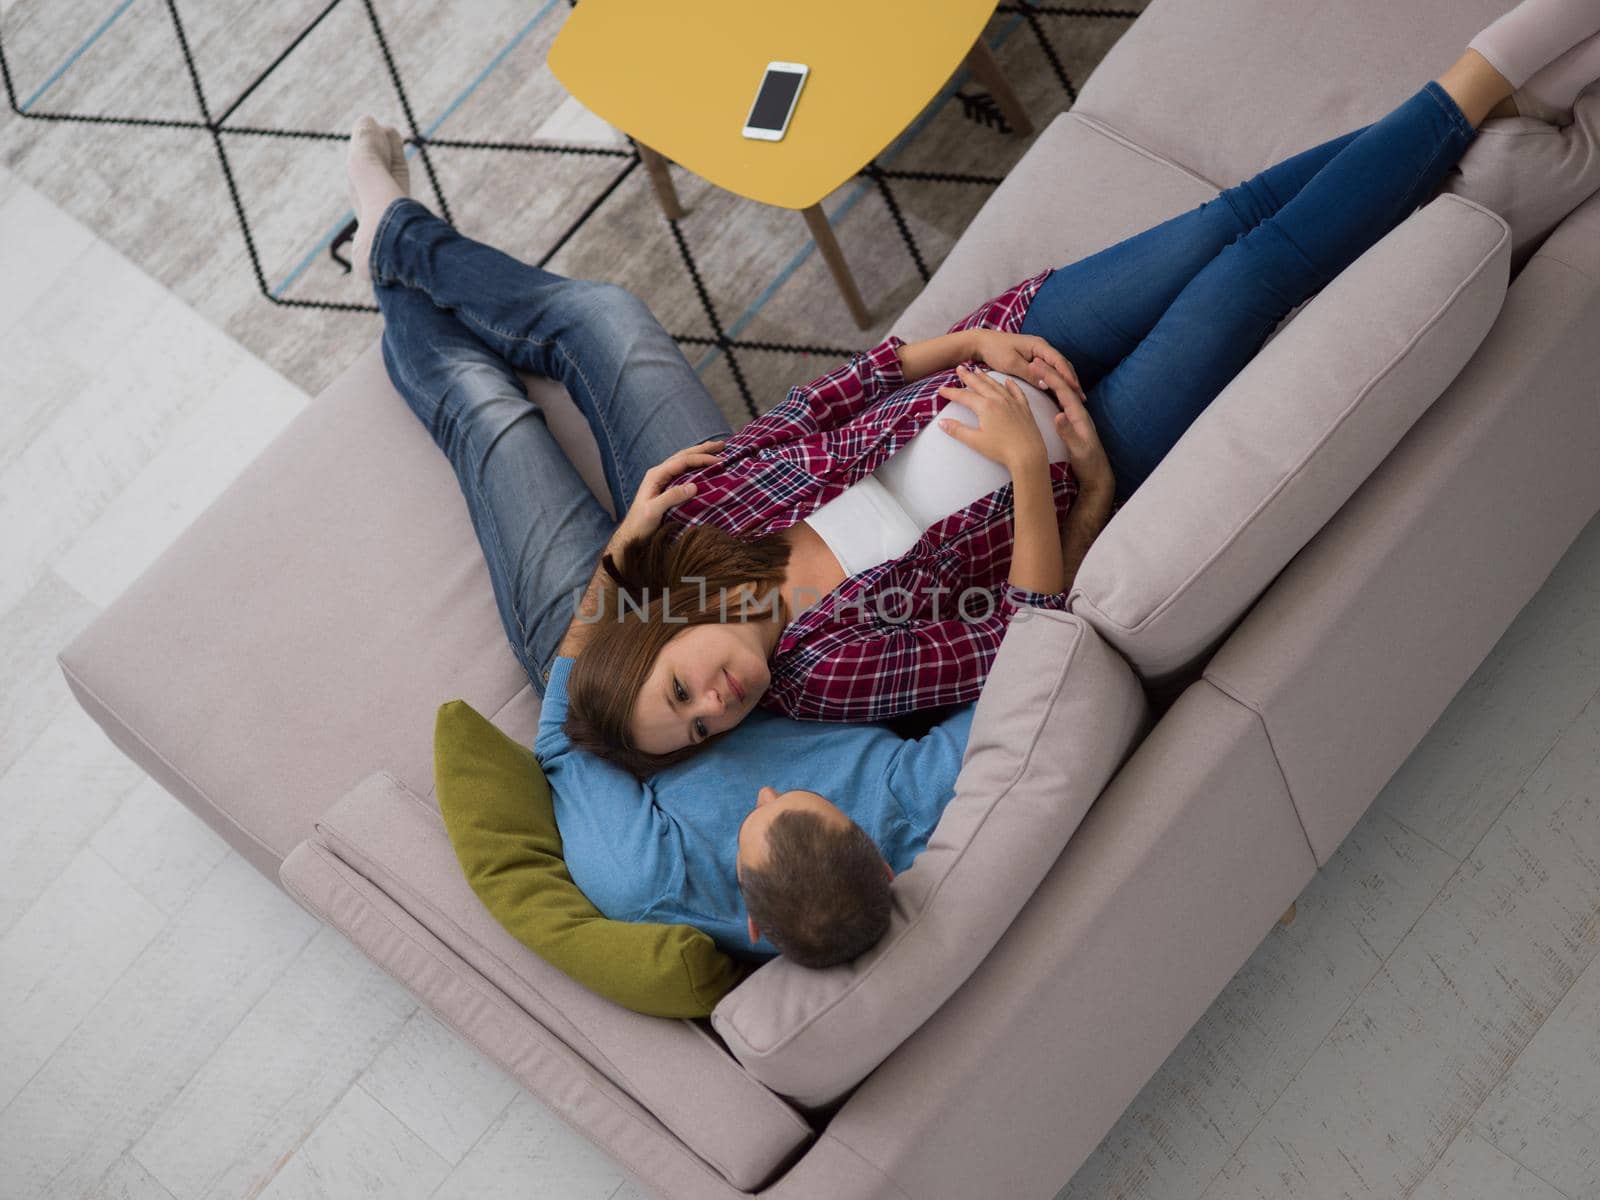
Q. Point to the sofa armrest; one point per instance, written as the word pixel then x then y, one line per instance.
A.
pixel 1365 639
pixel 1059 713
pixel 1181 867
pixel 1575 243
pixel 395 841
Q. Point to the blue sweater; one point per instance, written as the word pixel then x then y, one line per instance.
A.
pixel 664 850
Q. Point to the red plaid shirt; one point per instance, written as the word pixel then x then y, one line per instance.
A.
pixel 890 639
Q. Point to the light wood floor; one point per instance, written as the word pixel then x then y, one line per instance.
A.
pixel 172 1025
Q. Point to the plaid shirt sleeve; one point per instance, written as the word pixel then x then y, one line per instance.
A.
pixel 871 671
pixel 829 400
pixel 833 399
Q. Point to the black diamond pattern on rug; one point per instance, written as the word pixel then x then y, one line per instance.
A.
pixel 734 281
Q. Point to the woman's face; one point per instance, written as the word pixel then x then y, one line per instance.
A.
pixel 705 681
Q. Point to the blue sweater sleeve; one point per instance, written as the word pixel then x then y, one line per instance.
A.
pixel 923 778
pixel 551 741
pixel 612 835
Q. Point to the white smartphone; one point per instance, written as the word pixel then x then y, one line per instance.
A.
pixel 775 101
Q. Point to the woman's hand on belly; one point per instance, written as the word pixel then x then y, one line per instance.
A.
pixel 1006 432
pixel 1022 355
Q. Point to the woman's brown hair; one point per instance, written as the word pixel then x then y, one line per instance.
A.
pixel 661 584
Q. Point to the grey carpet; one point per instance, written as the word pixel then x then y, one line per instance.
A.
pixel 205 142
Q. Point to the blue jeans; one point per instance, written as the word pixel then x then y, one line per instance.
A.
pixel 1158 324
pixel 1155 325
pixel 460 319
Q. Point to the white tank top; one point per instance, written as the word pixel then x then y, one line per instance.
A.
pixel 882 515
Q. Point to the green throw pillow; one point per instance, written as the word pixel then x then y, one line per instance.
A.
pixel 497 808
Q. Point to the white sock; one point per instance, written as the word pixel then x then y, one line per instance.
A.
pixel 399 167
pixel 1534 33
pixel 371 185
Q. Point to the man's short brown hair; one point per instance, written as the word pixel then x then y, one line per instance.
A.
pixel 822 896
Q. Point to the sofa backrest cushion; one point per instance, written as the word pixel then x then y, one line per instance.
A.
pixel 1282 447
pixel 1228 87
pixel 1057 717
pixel 1080 188
pixel 497 810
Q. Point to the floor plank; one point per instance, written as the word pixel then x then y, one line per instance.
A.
pixel 1465 991
pixel 529 1142
pixel 1472 1169
pixel 359 1151
pixel 38 243
pixel 277 1073
pixel 127 1180
pixel 439 1086
pixel 62 957
pixel 33 691
pixel 1236 1061
pixel 1546 1111
pixel 102 434
pixel 159 846
pixel 164 1017
pixel 54 796
pixel 242 410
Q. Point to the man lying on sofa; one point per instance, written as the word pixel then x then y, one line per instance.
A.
pixel 743 842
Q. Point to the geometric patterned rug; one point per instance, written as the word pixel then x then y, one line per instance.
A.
pixel 205 141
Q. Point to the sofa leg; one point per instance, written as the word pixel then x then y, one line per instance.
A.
pixel 1288 917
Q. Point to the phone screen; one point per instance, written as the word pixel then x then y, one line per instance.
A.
pixel 772 102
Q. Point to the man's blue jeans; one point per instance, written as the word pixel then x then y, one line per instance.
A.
pixel 1155 325
pixel 460 319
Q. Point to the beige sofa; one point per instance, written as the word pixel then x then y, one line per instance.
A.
pixel 278 669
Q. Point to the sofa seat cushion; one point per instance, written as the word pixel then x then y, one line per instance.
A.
pixel 302 632
pixel 1228 87
pixel 497 809
pixel 674 1068
pixel 1058 715
pixel 1284 445
pixel 1263 90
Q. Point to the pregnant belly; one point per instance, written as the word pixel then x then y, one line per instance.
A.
pixel 933 475
pixel 881 515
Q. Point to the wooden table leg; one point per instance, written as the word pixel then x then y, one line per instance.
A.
pixel 822 234
pixel 661 181
pixel 987 72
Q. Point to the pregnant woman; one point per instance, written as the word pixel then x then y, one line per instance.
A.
pixel 858 551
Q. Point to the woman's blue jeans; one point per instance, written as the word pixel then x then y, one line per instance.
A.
pixel 1158 324
pixel 1155 326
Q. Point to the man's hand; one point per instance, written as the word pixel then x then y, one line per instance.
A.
pixel 642 519
pixel 654 498
pixel 1086 518
pixel 1021 354
pixel 1076 428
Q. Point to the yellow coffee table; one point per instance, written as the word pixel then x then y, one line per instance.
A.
pixel 678 77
